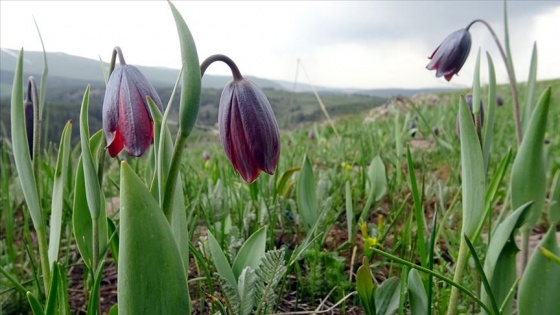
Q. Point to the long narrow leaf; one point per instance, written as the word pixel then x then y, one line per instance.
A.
pixel 529 163
pixel 90 173
pixel 530 94
pixel 191 81
pixel 61 174
pixel 500 262
pixel 306 195
pixel 417 294
pixel 22 157
pixel 472 172
pixel 488 128
pixel 419 213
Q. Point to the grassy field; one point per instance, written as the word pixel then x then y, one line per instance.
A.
pixel 357 177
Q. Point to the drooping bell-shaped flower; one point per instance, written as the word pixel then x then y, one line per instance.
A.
pixel 451 54
pixel 248 129
pixel 127 122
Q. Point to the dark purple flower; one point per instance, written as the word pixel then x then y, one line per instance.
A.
pixel 499 100
pixel 451 54
pixel 127 122
pixel 248 129
pixel 435 130
pixel 412 127
pixel 311 135
pixel 468 99
pixel 206 155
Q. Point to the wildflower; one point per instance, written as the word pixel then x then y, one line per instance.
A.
pixel 248 129
pixel 451 54
pixel 412 128
pixel 127 122
pixel 311 135
pixel 499 100
pixel 435 130
pixel 206 156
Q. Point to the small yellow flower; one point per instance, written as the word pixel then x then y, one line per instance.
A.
pixel 371 242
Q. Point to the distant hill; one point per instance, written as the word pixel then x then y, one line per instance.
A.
pixel 68 71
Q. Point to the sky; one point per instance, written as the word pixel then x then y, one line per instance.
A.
pixel 344 44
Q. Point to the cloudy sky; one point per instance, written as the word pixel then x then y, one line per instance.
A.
pixel 362 44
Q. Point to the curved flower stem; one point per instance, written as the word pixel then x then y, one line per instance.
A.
pixel 225 59
pixel 512 81
pixel 116 51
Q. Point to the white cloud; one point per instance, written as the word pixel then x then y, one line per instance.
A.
pixel 367 44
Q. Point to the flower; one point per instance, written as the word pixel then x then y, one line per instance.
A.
pixel 248 129
pixel 311 135
pixel 499 100
pixel 127 122
pixel 412 129
pixel 435 130
pixel 451 54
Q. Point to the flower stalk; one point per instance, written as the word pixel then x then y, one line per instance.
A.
pixel 511 76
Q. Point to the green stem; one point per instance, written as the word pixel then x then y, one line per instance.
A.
pixel 44 257
pixel 95 252
pixel 524 248
pixel 511 76
pixel 459 268
pixel 173 173
pixel 434 274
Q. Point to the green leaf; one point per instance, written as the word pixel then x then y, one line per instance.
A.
pixel 246 290
pixel 377 178
pixel 555 200
pixel 500 264
pixel 530 94
pixel 191 80
pixel 419 213
pixel 81 219
pixel 539 286
pixel 306 195
pixel 22 157
pixel 50 307
pixel 417 294
pixel 349 211
pixel 528 175
pixel 220 261
pixel 488 128
pixel 493 188
pixel 480 271
pixel 472 172
pixel 366 288
pixel 94 294
pixel 387 296
pixel 36 306
pixel 90 173
pixel 114 310
pixel 61 174
pixel 250 253
pixel 151 273
pixel 282 187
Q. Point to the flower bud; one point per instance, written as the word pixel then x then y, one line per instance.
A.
pixel 127 122
pixel 248 129
pixel 451 54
